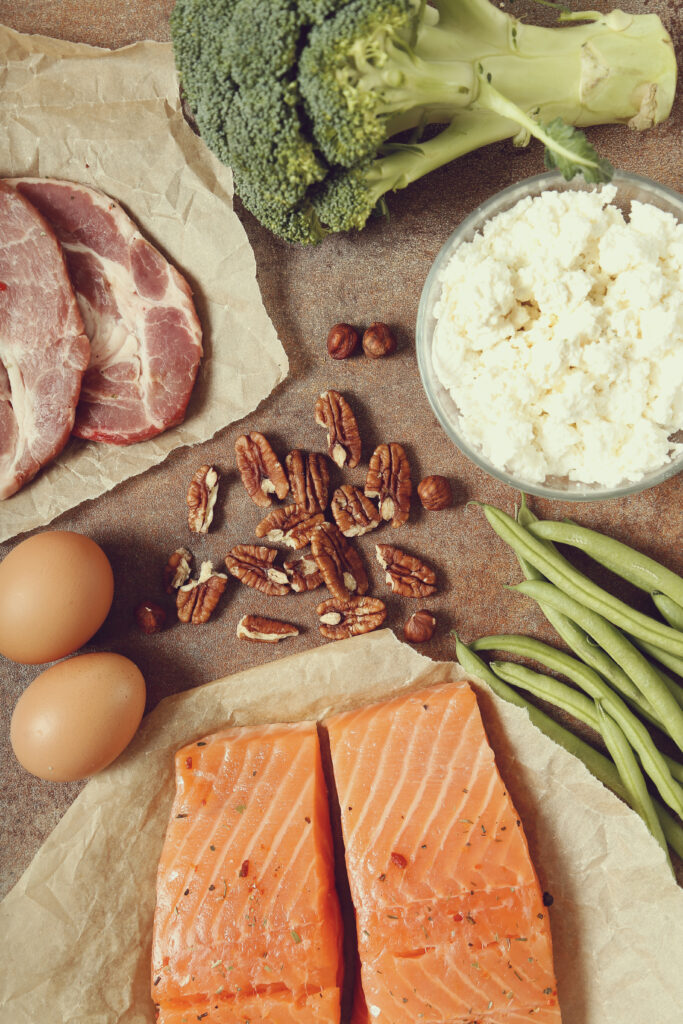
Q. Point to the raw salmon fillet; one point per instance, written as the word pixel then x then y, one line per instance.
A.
pixel 247 925
pixel 451 923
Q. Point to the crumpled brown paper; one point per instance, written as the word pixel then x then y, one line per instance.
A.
pixel 75 932
pixel 112 119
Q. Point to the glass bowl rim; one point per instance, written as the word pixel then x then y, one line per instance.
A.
pixel 473 222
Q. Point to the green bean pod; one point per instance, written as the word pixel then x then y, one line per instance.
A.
pixel 653 761
pixel 597 764
pixel 577 586
pixel 631 565
pixel 631 775
pixel 669 610
pixel 647 679
pixel 670 661
pixel 582 645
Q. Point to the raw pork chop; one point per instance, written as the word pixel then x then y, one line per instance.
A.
pixel 145 336
pixel 43 350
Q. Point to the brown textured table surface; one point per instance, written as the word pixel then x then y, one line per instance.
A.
pixel 377 275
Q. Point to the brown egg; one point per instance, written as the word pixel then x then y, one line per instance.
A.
pixel 77 716
pixel 56 590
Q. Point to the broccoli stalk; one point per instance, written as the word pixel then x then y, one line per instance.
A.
pixel 380 66
pixel 304 97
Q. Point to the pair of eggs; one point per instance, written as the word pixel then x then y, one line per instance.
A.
pixel 77 716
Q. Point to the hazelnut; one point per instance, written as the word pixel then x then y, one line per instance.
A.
pixel 435 493
pixel 420 627
pixel 342 341
pixel 150 617
pixel 379 340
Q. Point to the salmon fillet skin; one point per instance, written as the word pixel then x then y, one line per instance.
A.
pixel 451 923
pixel 247 925
pixel 43 347
pixel 145 336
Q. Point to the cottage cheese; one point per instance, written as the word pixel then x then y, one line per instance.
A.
pixel 559 336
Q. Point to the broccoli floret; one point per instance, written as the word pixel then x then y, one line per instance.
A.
pixel 199 29
pixel 349 196
pixel 362 79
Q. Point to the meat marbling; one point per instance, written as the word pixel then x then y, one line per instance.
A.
pixel 43 348
pixel 145 336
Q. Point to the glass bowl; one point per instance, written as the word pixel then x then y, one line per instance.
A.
pixel 629 187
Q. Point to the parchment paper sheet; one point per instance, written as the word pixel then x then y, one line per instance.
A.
pixel 75 931
pixel 112 119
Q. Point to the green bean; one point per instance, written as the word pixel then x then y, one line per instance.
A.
pixel 578 586
pixel 586 648
pixel 653 761
pixel 631 775
pixel 596 763
pixel 631 565
pixel 636 666
pixel 672 661
pixel 581 707
pixel 669 610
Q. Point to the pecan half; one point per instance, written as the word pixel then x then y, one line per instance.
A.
pixel 291 524
pixel 178 569
pixel 339 563
pixel 303 574
pixel 201 498
pixel 406 575
pixel 341 619
pixel 253 565
pixel 197 600
pixel 333 412
pixel 309 479
pixel 389 480
pixel 354 513
pixel 260 469
pixel 265 631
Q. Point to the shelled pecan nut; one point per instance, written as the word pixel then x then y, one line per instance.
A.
pixel 339 563
pixel 354 513
pixel 265 631
pixel 178 569
pixel 341 619
pixel 333 412
pixel 303 574
pixel 309 479
pixel 290 524
pixel 406 574
pixel 201 499
pixel 197 600
pixel 252 565
pixel 150 617
pixel 261 471
pixel 389 481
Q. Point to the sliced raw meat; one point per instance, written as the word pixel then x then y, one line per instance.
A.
pixel 451 923
pixel 247 923
pixel 145 336
pixel 43 350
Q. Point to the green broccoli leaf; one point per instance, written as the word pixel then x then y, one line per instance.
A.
pixel 568 150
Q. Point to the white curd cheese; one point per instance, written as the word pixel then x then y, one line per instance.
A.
pixel 559 336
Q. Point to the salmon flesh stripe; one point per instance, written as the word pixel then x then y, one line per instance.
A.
pixel 247 925
pixel 450 916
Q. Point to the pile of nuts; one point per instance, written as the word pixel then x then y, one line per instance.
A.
pixel 333 561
